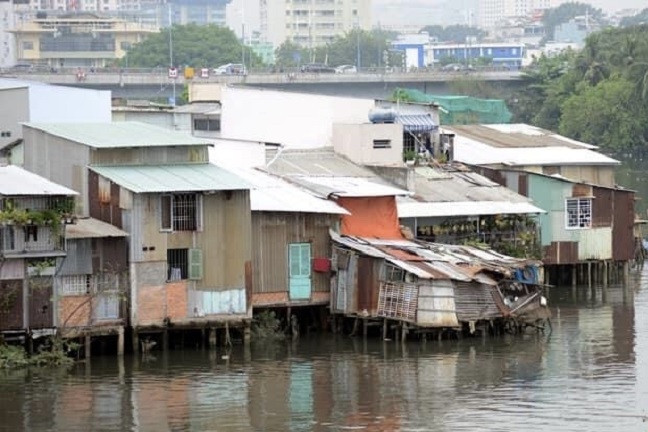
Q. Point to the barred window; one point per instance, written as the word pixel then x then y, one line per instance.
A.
pixel 178 264
pixel 578 213
pixel 181 212
pixel 75 285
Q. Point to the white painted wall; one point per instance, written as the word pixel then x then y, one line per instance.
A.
pixel 236 153
pixel 355 141
pixel 296 120
pixel 58 104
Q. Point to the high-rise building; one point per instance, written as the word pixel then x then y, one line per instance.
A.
pixel 493 12
pixel 312 22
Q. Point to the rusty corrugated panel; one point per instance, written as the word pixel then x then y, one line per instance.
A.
pixel 40 303
pixel 93 195
pixel 523 184
pixel 401 254
pixel 11 297
pixel 368 286
pixel 560 253
pixel 602 207
pixel 248 282
pixel 475 302
pixel 115 210
pixel 114 254
pixel 581 190
pixel 436 305
pixel 623 225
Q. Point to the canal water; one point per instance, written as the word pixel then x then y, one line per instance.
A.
pixel 590 374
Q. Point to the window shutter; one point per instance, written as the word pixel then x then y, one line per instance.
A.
pixel 166 212
pixel 305 259
pixel 195 264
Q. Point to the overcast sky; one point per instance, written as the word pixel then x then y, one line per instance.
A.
pixel 422 12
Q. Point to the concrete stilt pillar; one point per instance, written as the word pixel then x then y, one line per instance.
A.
pixel 247 333
pixel 135 341
pixel 626 273
pixel 403 332
pixel 384 329
pixel 120 341
pixel 364 328
pixel 213 338
pixel 605 274
pixel 574 275
pixel 165 340
pixel 88 341
pixel 589 274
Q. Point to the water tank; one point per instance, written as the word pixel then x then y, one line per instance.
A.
pixel 382 115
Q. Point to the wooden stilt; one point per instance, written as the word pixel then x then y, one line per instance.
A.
pixel 384 328
pixel 626 273
pixel 120 341
pixel 403 332
pixel 228 340
pixel 589 274
pixel 364 328
pixel 574 275
pixel 356 323
pixel 605 274
pixel 247 333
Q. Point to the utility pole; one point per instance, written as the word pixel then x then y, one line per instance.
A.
pixel 243 36
pixel 358 57
pixel 173 84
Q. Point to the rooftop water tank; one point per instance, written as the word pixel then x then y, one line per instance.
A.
pixel 382 115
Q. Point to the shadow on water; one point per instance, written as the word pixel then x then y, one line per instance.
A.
pixel 583 376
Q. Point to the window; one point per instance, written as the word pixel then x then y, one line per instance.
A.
pixel 28 45
pixel 205 124
pixel 381 143
pixel 75 285
pixel 181 212
pixel 5 134
pixel 578 213
pixel 409 143
pixel 184 264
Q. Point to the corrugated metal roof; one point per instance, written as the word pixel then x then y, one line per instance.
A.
pixel 416 123
pixel 273 194
pixel 484 145
pixel 172 178
pixel 466 208
pixel 348 186
pixel 516 135
pixel 439 261
pixel 119 134
pixel 92 228
pixel 199 108
pixel 315 162
pixel 15 181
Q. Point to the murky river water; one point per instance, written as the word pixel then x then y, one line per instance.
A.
pixel 590 374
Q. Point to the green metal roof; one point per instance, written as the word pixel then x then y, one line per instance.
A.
pixel 172 178
pixel 119 134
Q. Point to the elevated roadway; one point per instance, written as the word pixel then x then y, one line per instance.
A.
pixel 154 83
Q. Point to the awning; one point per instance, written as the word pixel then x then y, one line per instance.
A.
pixel 416 123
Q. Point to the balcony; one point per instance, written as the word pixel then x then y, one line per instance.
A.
pixel 30 241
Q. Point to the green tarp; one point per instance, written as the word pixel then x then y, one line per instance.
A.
pixel 460 109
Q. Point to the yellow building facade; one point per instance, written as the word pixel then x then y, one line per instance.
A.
pixel 76 40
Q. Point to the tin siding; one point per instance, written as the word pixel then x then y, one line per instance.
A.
pixel 78 259
pixel 602 207
pixel 436 305
pixel 368 284
pixel 622 231
pixel 595 244
pixel 150 155
pixel 273 232
pixel 11 313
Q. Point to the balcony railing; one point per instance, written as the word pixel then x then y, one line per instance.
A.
pixel 29 239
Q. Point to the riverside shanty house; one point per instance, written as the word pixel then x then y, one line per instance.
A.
pixel 587 232
pixel 33 214
pixel 188 221
pixel 291 245
pixel 431 285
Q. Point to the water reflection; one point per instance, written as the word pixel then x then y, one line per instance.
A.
pixel 584 376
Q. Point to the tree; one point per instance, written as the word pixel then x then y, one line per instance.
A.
pixel 193 45
pixel 566 11
pixel 640 18
pixel 454 33
pixel 604 115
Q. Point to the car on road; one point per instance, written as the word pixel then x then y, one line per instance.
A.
pixel 230 69
pixel 346 69
pixel 317 68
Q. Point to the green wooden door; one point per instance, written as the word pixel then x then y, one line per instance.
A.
pixel 300 270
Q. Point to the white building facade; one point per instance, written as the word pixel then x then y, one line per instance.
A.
pixel 311 22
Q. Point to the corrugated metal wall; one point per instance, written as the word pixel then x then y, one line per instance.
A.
pixel 622 230
pixel 78 259
pixel 595 244
pixel 368 284
pixel 150 155
pixel 272 233
pixel 602 207
pixel 475 302
pixel 436 305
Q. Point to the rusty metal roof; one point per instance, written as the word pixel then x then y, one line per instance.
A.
pixel 436 261
pixel 92 228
